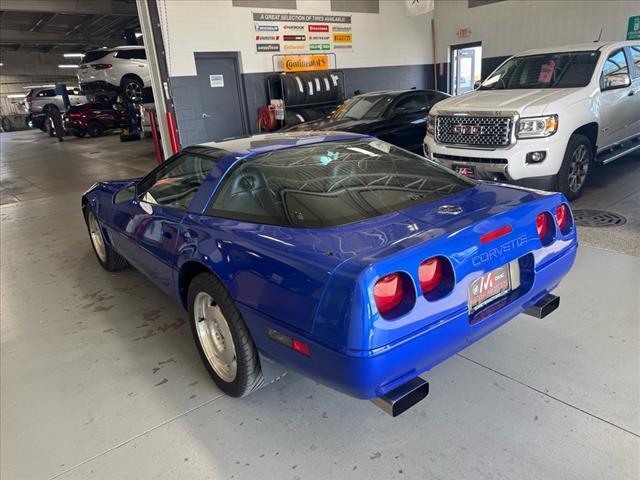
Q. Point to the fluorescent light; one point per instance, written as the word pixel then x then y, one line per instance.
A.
pixel 138 34
pixel 1 64
pixel 16 95
pixel 67 66
pixel 71 55
pixel 39 86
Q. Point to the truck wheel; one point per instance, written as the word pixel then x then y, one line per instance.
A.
pixel 222 338
pixel 576 167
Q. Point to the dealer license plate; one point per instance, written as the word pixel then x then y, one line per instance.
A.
pixel 466 171
pixel 489 287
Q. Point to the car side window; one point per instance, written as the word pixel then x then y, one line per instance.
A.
pixel 176 182
pixel 412 103
pixel 635 57
pixel 140 54
pixel 615 67
pixel 47 93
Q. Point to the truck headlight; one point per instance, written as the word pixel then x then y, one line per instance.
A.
pixel 534 127
pixel 431 124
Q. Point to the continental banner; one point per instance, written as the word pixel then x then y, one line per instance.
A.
pixel 285 32
pixel 305 63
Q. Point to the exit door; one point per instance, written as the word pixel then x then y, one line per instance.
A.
pixel 466 68
pixel 221 93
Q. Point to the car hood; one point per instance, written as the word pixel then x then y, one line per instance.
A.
pixel 343 124
pixel 527 102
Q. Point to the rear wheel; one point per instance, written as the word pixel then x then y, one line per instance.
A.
pixel 95 129
pixel 576 167
pixel 132 89
pixel 222 338
pixel 109 259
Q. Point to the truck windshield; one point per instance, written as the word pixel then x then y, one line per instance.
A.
pixel 549 70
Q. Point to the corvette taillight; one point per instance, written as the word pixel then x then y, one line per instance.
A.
pixel 388 292
pixel 430 274
pixel 545 228
pixel 563 217
pixel 101 66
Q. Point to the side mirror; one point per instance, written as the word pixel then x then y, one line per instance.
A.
pixel 618 80
pixel 126 194
pixel 476 85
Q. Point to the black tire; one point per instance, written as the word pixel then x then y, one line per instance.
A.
pixel 112 260
pixel 576 168
pixel 132 89
pixel 248 375
pixel 79 133
pixel 95 129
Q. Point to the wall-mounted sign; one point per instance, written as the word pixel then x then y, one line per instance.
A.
pixel 633 30
pixel 278 32
pixel 464 32
pixel 305 63
pixel 216 80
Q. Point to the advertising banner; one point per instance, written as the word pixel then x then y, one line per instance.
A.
pixel 305 63
pixel 286 32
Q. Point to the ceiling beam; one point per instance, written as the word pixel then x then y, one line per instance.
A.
pixel 40 38
pixel 86 23
pixel 72 7
pixel 43 22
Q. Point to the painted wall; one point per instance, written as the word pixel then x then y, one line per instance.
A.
pixel 511 26
pixel 217 26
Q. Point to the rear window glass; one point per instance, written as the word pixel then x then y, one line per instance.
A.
pixel 95 55
pixel 330 184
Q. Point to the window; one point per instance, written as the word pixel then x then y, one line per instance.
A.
pixel 94 55
pixel 132 54
pixel 549 70
pixel 614 70
pixel 363 107
pixel 635 57
pixel 46 93
pixel 414 102
pixel 176 182
pixel 331 183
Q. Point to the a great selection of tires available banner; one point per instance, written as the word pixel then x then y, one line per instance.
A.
pixel 298 33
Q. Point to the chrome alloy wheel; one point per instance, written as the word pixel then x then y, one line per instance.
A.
pixel 133 91
pixel 96 238
pixel 578 168
pixel 215 337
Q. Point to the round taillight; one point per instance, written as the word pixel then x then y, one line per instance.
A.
pixel 388 292
pixel 430 274
pixel 545 228
pixel 563 217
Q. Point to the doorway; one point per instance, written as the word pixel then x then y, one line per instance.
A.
pixel 224 111
pixel 466 67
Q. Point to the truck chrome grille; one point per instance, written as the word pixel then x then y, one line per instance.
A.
pixel 474 131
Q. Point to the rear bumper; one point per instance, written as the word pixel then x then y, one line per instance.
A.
pixel 98 86
pixel 372 373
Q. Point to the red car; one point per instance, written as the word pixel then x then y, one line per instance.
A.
pixel 95 119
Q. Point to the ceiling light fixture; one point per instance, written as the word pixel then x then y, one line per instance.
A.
pixel 138 34
pixel 16 95
pixel 72 55
pixel 67 66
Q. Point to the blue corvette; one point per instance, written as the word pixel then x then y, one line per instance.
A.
pixel 338 255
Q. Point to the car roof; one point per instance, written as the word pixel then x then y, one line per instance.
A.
pixel 114 49
pixel 257 144
pixel 578 47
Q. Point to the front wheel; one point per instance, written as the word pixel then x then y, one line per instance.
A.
pixel 109 259
pixel 79 133
pixel 222 338
pixel 576 167
pixel 95 129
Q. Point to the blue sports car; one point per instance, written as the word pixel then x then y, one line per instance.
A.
pixel 337 255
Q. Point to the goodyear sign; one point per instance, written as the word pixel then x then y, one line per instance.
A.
pixel 342 38
pixel 305 63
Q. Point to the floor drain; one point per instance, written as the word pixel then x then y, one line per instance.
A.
pixel 598 218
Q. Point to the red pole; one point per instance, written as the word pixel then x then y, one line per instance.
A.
pixel 156 138
pixel 173 133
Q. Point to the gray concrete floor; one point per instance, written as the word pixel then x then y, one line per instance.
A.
pixel 100 379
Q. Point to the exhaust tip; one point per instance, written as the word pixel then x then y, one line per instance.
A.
pixel 544 306
pixel 404 397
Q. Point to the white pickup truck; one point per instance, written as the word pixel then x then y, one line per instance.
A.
pixel 543 117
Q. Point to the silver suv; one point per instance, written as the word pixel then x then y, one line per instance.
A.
pixel 120 70
pixel 42 100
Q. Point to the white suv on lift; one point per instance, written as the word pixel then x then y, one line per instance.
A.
pixel 543 117
pixel 120 70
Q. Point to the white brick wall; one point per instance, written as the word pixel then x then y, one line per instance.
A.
pixel 508 27
pixel 385 39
